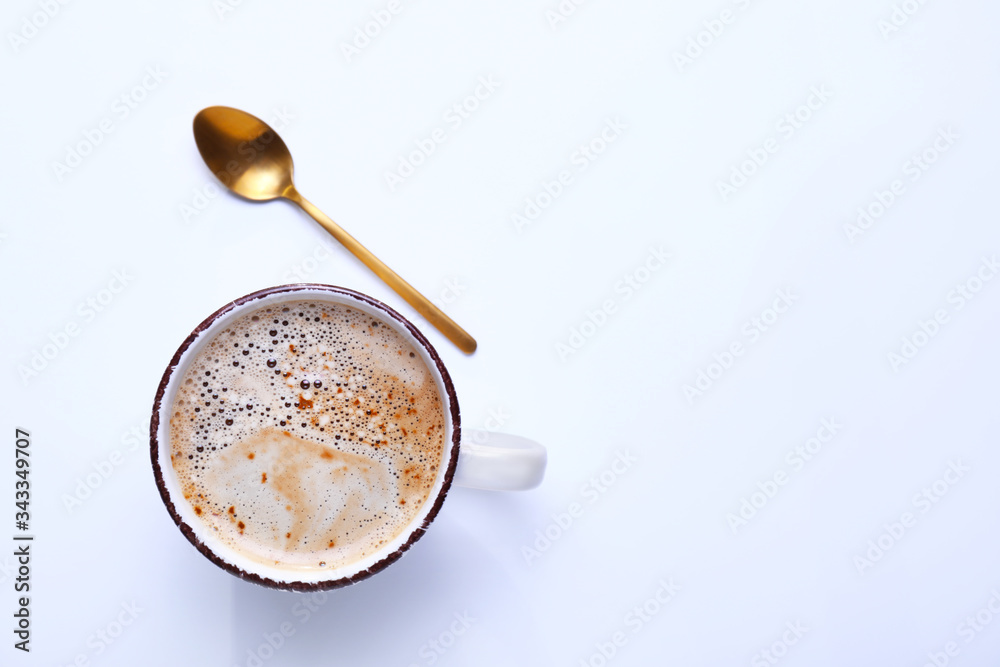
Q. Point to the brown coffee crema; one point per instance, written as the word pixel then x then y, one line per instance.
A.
pixel 307 434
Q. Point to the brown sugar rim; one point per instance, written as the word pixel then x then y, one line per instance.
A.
pixel 416 533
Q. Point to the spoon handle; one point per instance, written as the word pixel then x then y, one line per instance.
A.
pixel 432 313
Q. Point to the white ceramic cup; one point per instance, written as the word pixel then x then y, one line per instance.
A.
pixel 478 459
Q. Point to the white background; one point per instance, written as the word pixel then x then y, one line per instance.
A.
pixel 818 555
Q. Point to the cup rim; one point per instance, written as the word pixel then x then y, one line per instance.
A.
pixel 413 531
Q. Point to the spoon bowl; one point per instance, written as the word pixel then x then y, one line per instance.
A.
pixel 244 153
pixel 252 160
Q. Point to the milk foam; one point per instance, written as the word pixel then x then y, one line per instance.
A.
pixel 307 434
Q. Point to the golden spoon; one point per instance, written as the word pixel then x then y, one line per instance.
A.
pixel 251 160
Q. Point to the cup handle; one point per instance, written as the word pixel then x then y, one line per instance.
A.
pixel 499 462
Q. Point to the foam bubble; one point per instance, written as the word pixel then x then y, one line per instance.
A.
pixel 307 434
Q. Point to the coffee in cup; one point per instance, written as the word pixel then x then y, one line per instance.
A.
pixel 307 434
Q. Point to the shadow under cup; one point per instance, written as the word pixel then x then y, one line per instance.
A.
pixel 232 559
